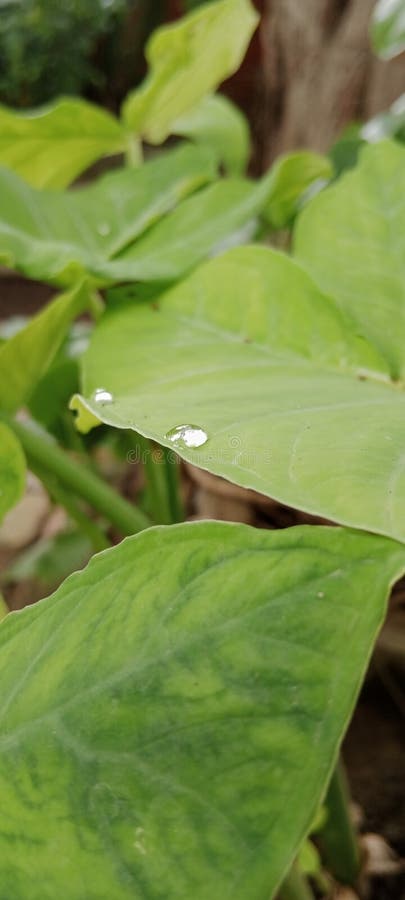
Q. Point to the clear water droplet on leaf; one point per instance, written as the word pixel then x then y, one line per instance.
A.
pixel 102 397
pixel 190 436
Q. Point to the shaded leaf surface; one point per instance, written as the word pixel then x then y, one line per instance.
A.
pixel 49 147
pixel 58 236
pixel 178 722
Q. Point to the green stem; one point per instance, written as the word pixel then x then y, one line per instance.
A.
pixel 134 153
pixel 295 886
pixel 63 498
pixel 162 482
pixel 41 451
pixel 337 839
pixel 173 486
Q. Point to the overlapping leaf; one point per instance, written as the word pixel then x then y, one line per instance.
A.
pixel 58 236
pixel 26 356
pixel 178 722
pixel 51 145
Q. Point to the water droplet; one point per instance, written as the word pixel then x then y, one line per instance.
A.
pixel 187 436
pixel 102 397
pixel 104 229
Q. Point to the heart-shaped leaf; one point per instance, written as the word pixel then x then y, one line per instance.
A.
pixel 57 237
pixel 351 238
pixel 186 61
pixel 12 470
pixel 177 722
pixel 284 395
pixel 50 146
pixel 26 356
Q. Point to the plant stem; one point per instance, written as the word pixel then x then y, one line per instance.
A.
pixel 173 486
pixel 44 453
pixel 162 482
pixel 337 839
pixel 295 886
pixel 134 154
pixel 62 498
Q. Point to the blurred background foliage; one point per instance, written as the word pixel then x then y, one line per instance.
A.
pixel 91 47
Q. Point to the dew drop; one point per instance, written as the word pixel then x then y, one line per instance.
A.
pixel 187 436
pixel 102 397
pixel 104 229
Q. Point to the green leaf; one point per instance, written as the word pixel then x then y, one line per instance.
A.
pixel 220 125
pixel 177 723
pixel 50 146
pixel 187 60
pixel 351 238
pixel 59 236
pixel 26 356
pixel 388 28
pixel 288 180
pixel 222 215
pixel 294 402
pixel 12 470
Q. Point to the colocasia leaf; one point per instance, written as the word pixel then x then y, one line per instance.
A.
pixel 58 237
pixel 248 370
pixel 351 238
pixel 49 147
pixel 177 722
pixel 26 356
pixel 186 61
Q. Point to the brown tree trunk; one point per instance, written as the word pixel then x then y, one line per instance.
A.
pixel 319 73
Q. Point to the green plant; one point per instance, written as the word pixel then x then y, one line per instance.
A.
pixel 177 708
pixel 45 46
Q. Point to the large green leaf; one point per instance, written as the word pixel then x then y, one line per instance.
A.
pixel 352 240
pixel 57 236
pixel 12 470
pixel 220 125
pixel 51 146
pixel 388 28
pixel 291 400
pixel 168 730
pixel 187 60
pixel 26 356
